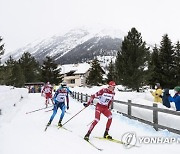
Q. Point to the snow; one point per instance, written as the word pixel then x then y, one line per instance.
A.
pixel 65 42
pixel 22 133
pixel 80 68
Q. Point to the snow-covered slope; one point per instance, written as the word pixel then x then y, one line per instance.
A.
pixel 24 133
pixel 85 42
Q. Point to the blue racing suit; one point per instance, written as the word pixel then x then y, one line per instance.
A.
pixel 60 96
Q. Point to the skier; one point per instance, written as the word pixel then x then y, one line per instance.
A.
pixel 176 98
pixel 59 98
pixel 157 93
pixel 47 90
pixel 105 96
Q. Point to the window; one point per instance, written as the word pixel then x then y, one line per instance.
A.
pixel 73 81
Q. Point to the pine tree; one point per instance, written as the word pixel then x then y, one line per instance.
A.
pixel 30 68
pixel 154 73
pixel 131 60
pixel 2 73
pixel 9 64
pixel 17 77
pixel 95 76
pixel 1 48
pixel 166 58
pixel 111 72
pixel 51 72
pixel 177 63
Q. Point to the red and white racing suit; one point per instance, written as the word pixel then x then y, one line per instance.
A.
pixel 105 97
pixel 47 90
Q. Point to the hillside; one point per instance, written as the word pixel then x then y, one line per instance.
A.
pixel 75 46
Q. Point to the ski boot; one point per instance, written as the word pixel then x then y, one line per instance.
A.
pixel 59 123
pixel 86 137
pixel 106 135
pixel 48 124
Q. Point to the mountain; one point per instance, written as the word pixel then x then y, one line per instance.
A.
pixel 77 45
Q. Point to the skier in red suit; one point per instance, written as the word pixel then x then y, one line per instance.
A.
pixel 47 90
pixel 105 96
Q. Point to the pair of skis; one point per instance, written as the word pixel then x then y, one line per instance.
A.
pixel 102 138
pixel 58 128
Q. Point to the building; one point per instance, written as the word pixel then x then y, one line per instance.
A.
pixel 75 74
pixel 34 87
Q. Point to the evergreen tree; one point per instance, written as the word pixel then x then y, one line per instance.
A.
pixel 30 68
pixel 9 64
pixel 1 48
pixel 177 63
pixel 95 76
pixel 51 72
pixel 17 77
pixel 166 58
pixel 154 73
pixel 2 73
pixel 131 60
pixel 111 74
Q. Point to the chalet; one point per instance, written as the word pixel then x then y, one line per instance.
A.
pixel 75 74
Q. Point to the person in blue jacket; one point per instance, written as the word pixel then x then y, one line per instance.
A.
pixel 176 98
pixel 60 96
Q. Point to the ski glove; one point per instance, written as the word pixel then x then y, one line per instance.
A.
pixel 67 107
pixel 85 105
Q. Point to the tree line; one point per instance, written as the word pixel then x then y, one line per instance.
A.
pixel 136 65
pixel 27 69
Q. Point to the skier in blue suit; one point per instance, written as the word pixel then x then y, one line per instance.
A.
pixel 60 96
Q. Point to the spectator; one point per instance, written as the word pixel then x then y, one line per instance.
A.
pixel 165 99
pixel 157 93
pixel 176 98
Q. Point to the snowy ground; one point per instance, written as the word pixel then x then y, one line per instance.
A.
pixel 22 133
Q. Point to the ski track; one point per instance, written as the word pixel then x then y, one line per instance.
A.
pixel 25 134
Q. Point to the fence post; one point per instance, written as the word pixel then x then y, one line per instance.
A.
pixel 0 112
pixel 81 97
pixel 75 95
pixel 155 116
pixel 129 109
pixel 86 97
pixel 78 96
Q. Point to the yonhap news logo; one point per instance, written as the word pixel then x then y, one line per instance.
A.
pixel 130 139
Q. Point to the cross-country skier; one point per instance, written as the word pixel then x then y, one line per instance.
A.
pixel 47 90
pixel 105 96
pixel 60 96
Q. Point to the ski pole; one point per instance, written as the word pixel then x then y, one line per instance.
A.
pixel 38 109
pixel 90 123
pixel 74 116
pixel 49 110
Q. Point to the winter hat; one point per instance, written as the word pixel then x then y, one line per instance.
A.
pixel 112 83
pixel 177 88
pixel 158 84
pixel 63 84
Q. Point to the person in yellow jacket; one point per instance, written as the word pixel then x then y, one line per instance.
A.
pixel 157 93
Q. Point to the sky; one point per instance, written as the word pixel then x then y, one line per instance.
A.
pixel 24 21
pixel 24 133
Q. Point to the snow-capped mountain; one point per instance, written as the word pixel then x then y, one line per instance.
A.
pixel 77 45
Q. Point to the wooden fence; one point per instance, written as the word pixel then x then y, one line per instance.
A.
pixel 154 109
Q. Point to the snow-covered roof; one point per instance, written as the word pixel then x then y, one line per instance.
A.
pixel 80 68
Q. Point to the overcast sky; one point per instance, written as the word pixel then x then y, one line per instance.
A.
pixel 23 21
